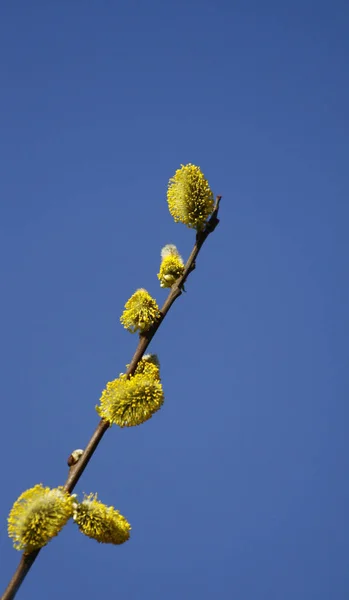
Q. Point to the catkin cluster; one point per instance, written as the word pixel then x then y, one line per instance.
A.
pixel 40 512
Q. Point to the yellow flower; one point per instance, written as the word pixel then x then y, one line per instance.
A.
pixel 129 402
pixel 141 312
pixel 172 266
pixel 190 199
pixel 38 515
pixel 150 365
pixel 100 522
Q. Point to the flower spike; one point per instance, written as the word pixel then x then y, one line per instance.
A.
pixel 131 401
pixel 149 365
pixel 38 515
pixel 190 199
pixel 100 522
pixel 171 267
pixel 141 312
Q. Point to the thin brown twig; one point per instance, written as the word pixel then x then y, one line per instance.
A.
pixel 75 472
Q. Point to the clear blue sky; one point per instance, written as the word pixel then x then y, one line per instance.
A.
pixel 238 488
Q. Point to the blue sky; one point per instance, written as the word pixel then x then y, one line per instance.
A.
pixel 238 487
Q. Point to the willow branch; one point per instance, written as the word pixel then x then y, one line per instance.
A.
pixel 77 470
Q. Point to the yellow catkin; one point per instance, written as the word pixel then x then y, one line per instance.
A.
pixel 100 522
pixel 38 515
pixel 141 312
pixel 190 199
